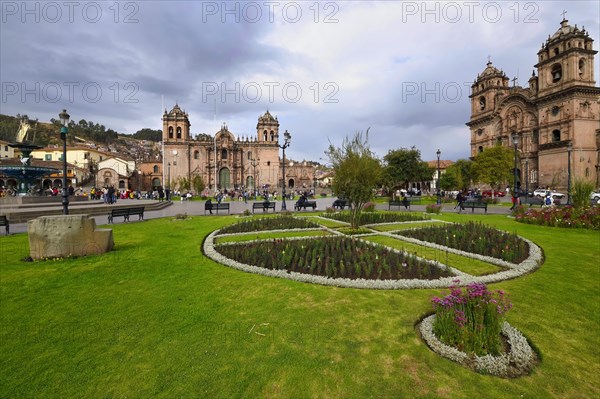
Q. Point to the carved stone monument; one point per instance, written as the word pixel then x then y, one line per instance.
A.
pixel 67 235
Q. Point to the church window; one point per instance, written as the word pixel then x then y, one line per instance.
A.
pixel 535 136
pixel 581 67
pixel 265 135
pixel 556 73
pixel 155 169
pixel 499 141
pixel 556 135
pixel 196 154
pixel 480 149
pixel 556 51
pixel 555 110
pixel 587 172
pixel 481 103
pixel 178 132
pixel 224 153
pixel 272 136
pixel 268 163
pixel 170 132
pixel 479 132
pixel 249 155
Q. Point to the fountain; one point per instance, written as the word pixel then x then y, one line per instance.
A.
pixel 26 175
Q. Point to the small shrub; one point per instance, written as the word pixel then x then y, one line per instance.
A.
pixel 369 207
pixel 247 212
pixel 180 216
pixel 433 208
pixel 581 193
pixel 330 210
pixel 471 320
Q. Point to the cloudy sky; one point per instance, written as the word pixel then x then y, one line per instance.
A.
pixel 325 69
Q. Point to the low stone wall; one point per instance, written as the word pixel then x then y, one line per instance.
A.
pixel 67 235
pixel 49 199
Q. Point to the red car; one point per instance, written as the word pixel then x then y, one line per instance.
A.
pixel 488 193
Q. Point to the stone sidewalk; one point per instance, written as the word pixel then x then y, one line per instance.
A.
pixel 196 208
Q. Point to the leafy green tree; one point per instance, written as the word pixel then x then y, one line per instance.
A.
pixel 405 165
pixel 356 170
pixel 461 172
pixel 494 166
pixel 198 184
pixel 448 181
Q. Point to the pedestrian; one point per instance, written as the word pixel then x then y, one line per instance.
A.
pixel 208 205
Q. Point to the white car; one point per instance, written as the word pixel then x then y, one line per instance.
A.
pixel 542 193
pixel 595 196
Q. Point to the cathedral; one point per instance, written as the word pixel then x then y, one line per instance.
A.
pixel 227 162
pixel 555 118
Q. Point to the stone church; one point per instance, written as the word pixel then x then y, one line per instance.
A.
pixel 227 162
pixel 560 106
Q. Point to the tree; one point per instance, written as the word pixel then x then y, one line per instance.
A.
pixel 356 170
pixel 198 184
pixel 461 172
pixel 494 166
pixel 405 165
pixel 148 134
pixel 448 181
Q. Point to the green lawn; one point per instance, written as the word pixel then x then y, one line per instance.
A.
pixel 154 318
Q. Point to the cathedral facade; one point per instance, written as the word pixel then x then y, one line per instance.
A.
pixel 556 115
pixel 227 162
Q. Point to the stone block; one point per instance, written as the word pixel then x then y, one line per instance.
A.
pixel 67 235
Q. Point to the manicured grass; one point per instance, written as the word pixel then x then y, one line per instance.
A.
pixel 467 265
pixel 155 318
pixel 327 222
pixel 261 236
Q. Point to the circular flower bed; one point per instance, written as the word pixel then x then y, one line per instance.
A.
pixel 517 361
pixel 326 269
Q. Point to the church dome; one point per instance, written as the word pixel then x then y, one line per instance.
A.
pixel 490 70
pixel 565 31
pixel 267 117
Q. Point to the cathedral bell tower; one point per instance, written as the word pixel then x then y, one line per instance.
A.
pixel 267 129
pixel 176 126
pixel 566 60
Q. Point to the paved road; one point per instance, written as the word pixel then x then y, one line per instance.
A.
pixel 196 208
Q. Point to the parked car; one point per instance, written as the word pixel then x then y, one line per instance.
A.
pixel 488 193
pixel 595 196
pixel 542 193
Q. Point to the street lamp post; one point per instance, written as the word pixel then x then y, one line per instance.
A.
pixel 286 144
pixel 527 177
pixel 515 140
pixel 254 163
pixel 64 121
pixel 169 175
pixel 569 149
pixel 437 183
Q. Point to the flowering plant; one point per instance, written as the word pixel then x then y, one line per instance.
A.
pixel 471 320
pixel 567 216
pixel 433 208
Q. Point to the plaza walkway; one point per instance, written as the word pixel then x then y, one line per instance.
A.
pixel 196 208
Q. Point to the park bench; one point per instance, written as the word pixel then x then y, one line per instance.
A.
pixel 400 203
pixel 126 212
pixel 305 204
pixel 532 201
pixel 474 204
pixel 265 206
pixel 216 207
pixel 340 204
pixel 4 222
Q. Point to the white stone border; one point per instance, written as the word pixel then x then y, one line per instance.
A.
pixel 519 359
pixel 527 266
